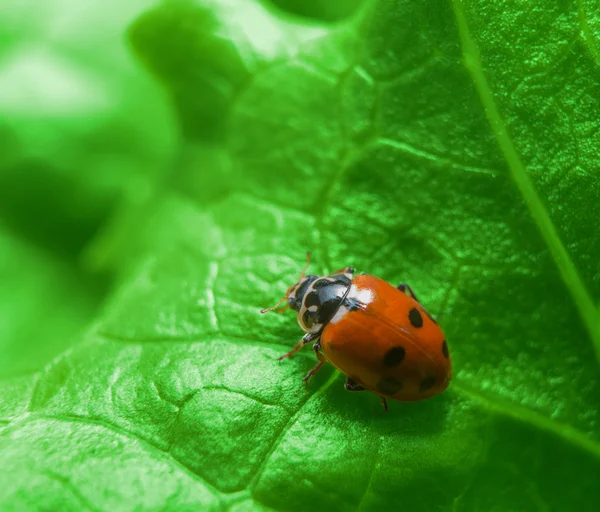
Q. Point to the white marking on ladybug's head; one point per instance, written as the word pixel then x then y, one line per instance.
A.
pixel 296 293
pixel 307 315
pixel 291 294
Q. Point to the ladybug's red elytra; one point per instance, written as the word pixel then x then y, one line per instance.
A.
pixel 376 334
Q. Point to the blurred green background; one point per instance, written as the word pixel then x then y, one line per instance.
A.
pixel 164 167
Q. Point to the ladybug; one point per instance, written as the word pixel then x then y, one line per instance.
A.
pixel 379 336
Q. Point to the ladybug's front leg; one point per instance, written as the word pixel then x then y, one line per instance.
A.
pixel 319 365
pixel 408 290
pixel 307 338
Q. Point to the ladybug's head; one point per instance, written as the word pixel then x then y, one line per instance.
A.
pixel 295 293
pixel 315 299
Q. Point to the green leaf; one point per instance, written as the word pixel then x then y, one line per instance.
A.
pixel 45 306
pixel 80 126
pixel 451 145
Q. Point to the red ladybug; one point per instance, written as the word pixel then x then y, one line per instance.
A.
pixel 378 335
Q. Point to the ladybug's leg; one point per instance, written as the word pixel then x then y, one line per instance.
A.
pixel 352 385
pixel 408 290
pixel 384 403
pixel 307 338
pixel 345 270
pixel 319 365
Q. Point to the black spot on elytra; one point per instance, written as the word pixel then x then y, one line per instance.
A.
pixel 394 356
pixel 389 386
pixel 427 383
pixel 445 350
pixel 319 283
pixel 416 320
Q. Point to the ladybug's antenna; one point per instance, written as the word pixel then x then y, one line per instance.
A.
pixel 282 309
pixel 305 266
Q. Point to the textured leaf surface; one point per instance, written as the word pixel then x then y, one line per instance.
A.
pixel 453 148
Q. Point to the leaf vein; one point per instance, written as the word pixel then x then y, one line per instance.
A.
pixel 419 153
pixel 566 267
pixel 261 469
pixel 67 484
pixel 133 436
pixel 529 417
pixel 226 337
pixel 586 33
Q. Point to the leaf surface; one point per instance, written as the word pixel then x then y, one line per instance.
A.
pixel 452 148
